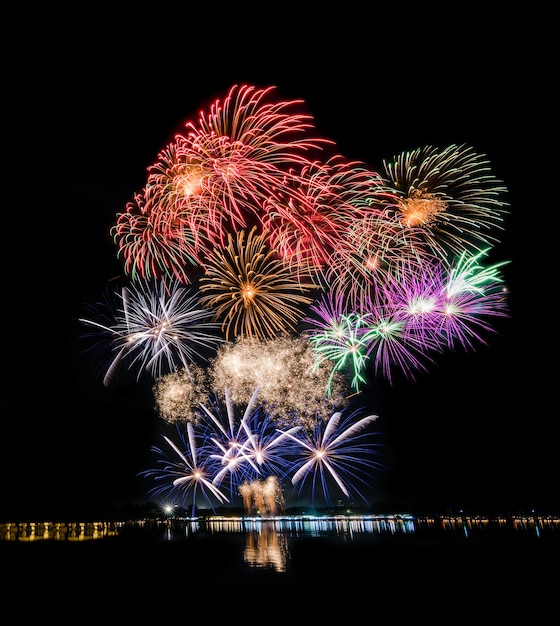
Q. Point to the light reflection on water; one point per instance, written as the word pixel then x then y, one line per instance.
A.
pixel 313 526
pixel 336 564
pixel 271 533
pixel 57 531
pixel 267 539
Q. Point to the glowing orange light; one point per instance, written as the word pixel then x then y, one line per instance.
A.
pixel 420 209
pixel 248 293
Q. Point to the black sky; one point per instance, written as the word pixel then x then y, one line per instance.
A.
pixel 88 110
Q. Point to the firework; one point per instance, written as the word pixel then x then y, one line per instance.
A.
pixel 242 453
pixel 263 497
pixel 213 180
pixel 374 342
pixel 251 291
pixel 293 389
pixel 156 244
pixel 370 254
pixel 335 335
pixel 241 237
pixel 187 476
pixel 369 241
pixel 246 448
pixel 241 152
pixel 391 347
pixel 446 306
pixel 339 452
pixel 467 275
pixel 156 329
pixel 415 296
pixel 237 448
pixel 449 198
pixel 472 296
pixel 179 394
pixel 305 226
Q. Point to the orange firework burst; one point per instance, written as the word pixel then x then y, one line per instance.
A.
pixel 252 292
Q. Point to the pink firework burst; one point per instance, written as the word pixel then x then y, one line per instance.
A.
pixel 213 180
pixel 305 224
pixel 155 242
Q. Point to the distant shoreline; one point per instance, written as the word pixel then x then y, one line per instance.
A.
pixel 395 523
pixel 540 515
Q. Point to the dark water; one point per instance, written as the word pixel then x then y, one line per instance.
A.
pixel 394 566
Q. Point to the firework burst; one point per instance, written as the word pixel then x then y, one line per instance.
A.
pixel 444 306
pixel 252 292
pixel 306 227
pixel 212 180
pixel 156 330
pixel 155 243
pixel 371 253
pixel 293 389
pixel 179 394
pixel 335 337
pixel 185 476
pixel 472 296
pixel 339 452
pixel 242 448
pixel 449 197
pixel 263 497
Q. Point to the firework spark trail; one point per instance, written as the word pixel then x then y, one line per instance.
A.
pixel 392 348
pixel 229 446
pixel 466 274
pixel 473 295
pixel 266 445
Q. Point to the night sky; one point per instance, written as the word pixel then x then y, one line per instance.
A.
pixel 88 113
